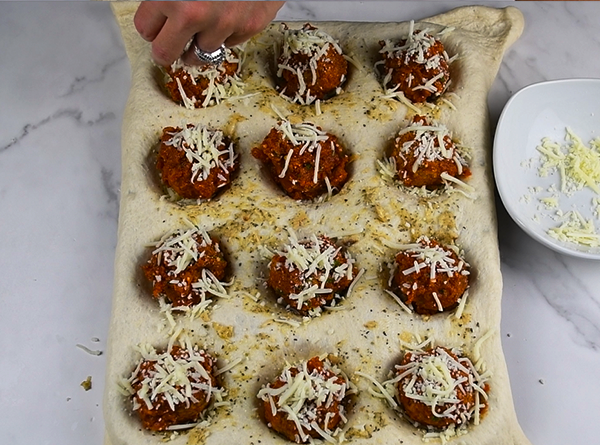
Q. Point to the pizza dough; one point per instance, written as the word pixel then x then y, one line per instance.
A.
pixel 370 214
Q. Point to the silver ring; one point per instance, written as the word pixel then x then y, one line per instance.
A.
pixel 213 58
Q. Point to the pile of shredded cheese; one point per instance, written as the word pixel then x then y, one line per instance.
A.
pixel 576 229
pixel 204 150
pixel 577 163
pixel 578 166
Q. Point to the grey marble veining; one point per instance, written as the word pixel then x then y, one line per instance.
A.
pixel 64 82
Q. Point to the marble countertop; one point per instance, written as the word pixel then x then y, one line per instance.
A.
pixel 65 80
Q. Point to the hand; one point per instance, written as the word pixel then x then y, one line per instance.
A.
pixel 171 25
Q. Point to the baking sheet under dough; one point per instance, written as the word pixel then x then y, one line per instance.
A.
pixel 366 334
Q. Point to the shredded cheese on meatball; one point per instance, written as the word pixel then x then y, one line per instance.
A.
pixel 302 394
pixel 310 42
pixel 311 257
pixel 436 258
pixel 306 135
pixel 218 89
pixel 429 145
pixel 415 48
pixel 431 377
pixel 428 378
pixel 178 380
pixel 180 248
pixel 204 150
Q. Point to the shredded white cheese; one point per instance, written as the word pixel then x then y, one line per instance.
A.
pixel 178 378
pixel 221 85
pixel 577 163
pixel 414 49
pixel 576 229
pixel 311 42
pixel 578 167
pixel 316 257
pixel 205 150
pixel 306 391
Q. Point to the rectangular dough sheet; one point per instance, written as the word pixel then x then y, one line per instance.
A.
pixel 366 335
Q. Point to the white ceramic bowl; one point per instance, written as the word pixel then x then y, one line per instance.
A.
pixel 541 110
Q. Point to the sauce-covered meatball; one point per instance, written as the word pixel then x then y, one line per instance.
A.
pixel 205 85
pixel 417 66
pixel 306 401
pixel 195 161
pixel 304 160
pixel 439 387
pixel 429 277
pixel 310 274
pixel 186 267
pixel 311 65
pixel 172 388
pixel 423 152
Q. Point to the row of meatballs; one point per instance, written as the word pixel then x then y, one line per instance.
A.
pixel 435 388
pixel 306 162
pixel 311 66
pixel 189 267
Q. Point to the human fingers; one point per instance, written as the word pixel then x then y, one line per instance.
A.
pixel 170 43
pixel 170 26
pixel 257 16
pixel 231 23
pixel 149 20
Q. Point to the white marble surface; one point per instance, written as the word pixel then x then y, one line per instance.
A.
pixel 64 81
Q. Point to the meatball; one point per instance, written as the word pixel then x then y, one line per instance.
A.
pixel 186 267
pixel 311 65
pixel 417 66
pixel 438 388
pixel 205 85
pixel 429 276
pixel 310 274
pixel 316 395
pixel 196 162
pixel 304 160
pixel 423 151
pixel 172 388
